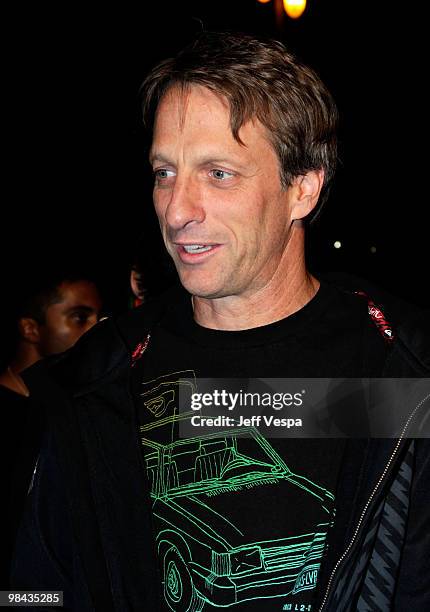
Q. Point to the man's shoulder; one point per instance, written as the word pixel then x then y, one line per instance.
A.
pixel 410 324
pixel 352 285
pixel 414 337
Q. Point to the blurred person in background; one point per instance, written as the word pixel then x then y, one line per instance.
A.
pixel 49 316
pixel 150 275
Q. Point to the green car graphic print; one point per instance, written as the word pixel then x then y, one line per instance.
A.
pixel 210 554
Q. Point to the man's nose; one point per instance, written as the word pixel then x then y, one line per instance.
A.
pixel 185 205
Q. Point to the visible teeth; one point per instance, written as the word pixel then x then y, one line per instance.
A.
pixel 196 248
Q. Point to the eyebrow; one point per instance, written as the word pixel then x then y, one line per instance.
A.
pixel 81 308
pixel 158 157
pixel 204 161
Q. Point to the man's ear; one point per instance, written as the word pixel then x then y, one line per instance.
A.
pixel 306 190
pixel 29 330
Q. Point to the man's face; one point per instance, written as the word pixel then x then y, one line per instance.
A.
pixel 68 319
pixel 223 214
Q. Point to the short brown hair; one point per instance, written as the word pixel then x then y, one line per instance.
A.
pixel 259 79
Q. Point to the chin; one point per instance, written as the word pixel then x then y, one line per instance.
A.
pixel 208 288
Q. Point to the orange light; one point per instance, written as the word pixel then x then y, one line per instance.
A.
pixel 263 1
pixel 294 8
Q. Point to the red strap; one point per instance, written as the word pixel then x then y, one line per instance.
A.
pixel 378 318
pixel 139 350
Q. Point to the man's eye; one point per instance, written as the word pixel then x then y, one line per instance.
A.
pixel 80 318
pixel 220 175
pixel 163 173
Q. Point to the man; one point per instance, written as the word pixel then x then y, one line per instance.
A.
pixel 140 517
pixel 49 319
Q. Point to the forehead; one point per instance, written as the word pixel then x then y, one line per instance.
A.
pixel 201 118
pixel 192 105
pixel 78 293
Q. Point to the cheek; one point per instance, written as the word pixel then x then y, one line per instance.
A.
pixel 160 205
pixel 53 341
pixel 74 334
pixel 160 212
pixel 63 335
pixel 247 223
pixel 61 330
pixel 68 335
pixel 55 326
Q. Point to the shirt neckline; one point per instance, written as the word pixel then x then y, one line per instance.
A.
pixel 180 321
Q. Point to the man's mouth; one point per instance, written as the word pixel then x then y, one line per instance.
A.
pixel 197 248
pixel 195 253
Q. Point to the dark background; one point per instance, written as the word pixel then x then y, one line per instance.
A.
pixel 78 187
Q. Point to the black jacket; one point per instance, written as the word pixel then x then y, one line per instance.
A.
pixel 87 529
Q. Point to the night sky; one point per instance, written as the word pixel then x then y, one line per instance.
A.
pixel 78 186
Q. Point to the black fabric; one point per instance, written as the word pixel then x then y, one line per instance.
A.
pixel 21 429
pixel 52 563
pixel 332 336
pixel 370 465
pixel 59 541
pixel 95 376
pixel 413 588
pixel 91 443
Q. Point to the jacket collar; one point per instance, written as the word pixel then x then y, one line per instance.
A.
pixel 96 358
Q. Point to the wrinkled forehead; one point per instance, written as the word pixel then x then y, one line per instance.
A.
pixel 196 116
pixel 176 96
pixel 180 99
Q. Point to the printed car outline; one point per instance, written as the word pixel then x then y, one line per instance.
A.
pixel 232 572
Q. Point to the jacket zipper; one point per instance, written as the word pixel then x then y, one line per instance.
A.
pixel 369 501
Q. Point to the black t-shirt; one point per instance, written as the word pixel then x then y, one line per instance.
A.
pixel 241 521
pixel 20 428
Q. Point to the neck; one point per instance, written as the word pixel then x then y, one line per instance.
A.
pixel 289 289
pixel 26 354
pixel 11 379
